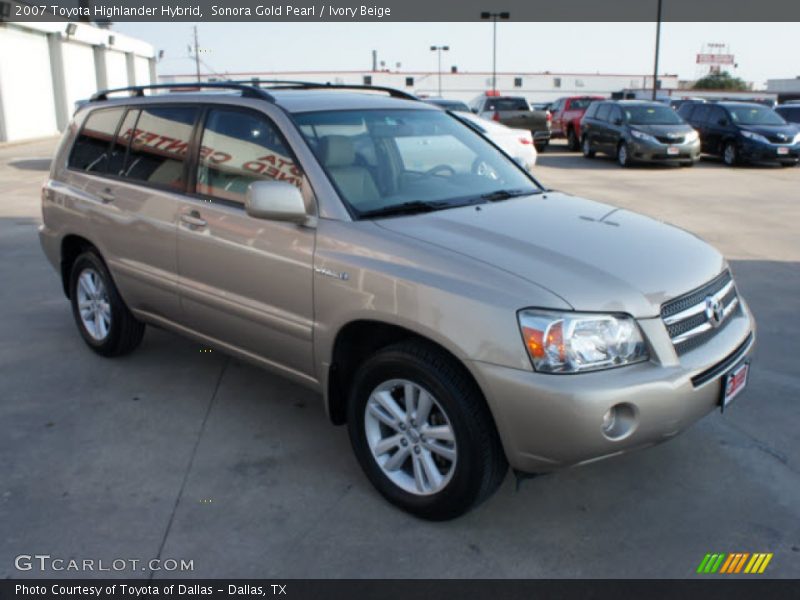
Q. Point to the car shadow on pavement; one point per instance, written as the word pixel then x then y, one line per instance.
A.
pixel 31 164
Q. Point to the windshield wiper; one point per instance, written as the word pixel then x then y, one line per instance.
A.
pixel 405 208
pixel 506 194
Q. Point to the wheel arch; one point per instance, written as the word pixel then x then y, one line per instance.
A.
pixel 357 340
pixel 72 246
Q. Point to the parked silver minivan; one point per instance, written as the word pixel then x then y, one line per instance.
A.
pixel 457 315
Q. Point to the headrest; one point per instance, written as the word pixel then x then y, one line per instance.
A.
pixel 337 151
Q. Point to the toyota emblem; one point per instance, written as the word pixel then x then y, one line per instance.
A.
pixel 714 311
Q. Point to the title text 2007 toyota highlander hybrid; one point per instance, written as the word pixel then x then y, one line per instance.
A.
pixel 454 313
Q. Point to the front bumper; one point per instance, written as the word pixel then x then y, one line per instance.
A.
pixel 547 422
pixel 642 151
pixel 752 151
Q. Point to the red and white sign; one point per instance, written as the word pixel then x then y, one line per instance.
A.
pixel 715 59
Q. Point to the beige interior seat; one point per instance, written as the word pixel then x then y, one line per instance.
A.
pixel 338 154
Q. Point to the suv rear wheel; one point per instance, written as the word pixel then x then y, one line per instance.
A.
pixel 105 323
pixel 586 147
pixel 572 140
pixel 422 432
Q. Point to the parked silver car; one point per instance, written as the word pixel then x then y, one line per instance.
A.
pixel 458 316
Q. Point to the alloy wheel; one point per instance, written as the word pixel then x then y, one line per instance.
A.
pixel 410 437
pixel 93 304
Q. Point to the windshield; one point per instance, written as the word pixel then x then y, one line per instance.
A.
pixel 380 159
pixel 651 115
pixel 755 115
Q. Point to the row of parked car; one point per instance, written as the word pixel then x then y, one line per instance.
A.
pixel 635 131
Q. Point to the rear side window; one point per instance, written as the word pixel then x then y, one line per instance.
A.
pixel 700 113
pixel 501 104
pixel 159 144
pixel 791 114
pixel 592 110
pixel 91 149
pixel 602 112
pixel 685 110
pixel 239 148
pixel 119 149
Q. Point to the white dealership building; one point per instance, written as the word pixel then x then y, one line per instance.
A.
pixel 45 68
pixel 535 87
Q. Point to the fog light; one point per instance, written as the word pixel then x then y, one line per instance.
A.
pixel 620 421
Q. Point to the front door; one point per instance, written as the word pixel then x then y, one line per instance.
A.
pixel 243 281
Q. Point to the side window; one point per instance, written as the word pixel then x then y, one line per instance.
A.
pixel 592 110
pixel 119 149
pixel 616 113
pixel 700 113
pixel 602 112
pixel 716 114
pixel 159 144
pixel 685 111
pixel 91 148
pixel 238 148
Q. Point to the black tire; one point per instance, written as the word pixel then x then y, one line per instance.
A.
pixel 623 155
pixel 480 465
pixel 586 148
pixel 572 140
pixel 688 164
pixel 730 156
pixel 541 146
pixel 125 332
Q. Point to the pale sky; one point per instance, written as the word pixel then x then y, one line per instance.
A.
pixel 762 50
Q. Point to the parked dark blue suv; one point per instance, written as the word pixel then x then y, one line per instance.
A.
pixel 743 132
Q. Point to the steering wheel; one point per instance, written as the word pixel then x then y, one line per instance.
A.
pixel 439 169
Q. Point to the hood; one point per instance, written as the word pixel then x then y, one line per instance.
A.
pixel 774 132
pixel 661 130
pixel 595 257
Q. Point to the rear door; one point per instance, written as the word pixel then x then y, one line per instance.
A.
pixel 698 119
pixel 616 127
pixel 246 282
pixel 600 134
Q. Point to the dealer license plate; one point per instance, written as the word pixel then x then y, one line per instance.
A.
pixel 734 382
pixel 783 151
pixel 672 151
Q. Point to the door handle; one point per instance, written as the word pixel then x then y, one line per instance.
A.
pixel 193 219
pixel 106 195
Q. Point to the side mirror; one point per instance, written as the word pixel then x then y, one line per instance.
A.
pixel 275 200
pixel 723 122
pixel 474 110
pixel 617 121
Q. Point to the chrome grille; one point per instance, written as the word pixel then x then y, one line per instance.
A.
pixel 691 320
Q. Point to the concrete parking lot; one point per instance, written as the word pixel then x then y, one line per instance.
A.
pixel 175 453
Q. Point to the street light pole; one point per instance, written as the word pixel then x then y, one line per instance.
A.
pixel 439 49
pixel 658 45
pixel 494 16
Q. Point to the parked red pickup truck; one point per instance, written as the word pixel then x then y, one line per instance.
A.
pixel 567 114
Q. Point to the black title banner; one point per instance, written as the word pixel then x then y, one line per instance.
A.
pixel 401 10
pixel 718 589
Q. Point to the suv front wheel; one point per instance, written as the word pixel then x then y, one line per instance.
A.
pixel 422 432
pixel 105 323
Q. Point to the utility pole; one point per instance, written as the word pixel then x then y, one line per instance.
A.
pixel 494 16
pixel 196 55
pixel 658 44
pixel 439 50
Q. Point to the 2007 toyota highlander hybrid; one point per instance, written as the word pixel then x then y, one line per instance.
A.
pixel 458 316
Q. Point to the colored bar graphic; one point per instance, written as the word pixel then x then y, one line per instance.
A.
pixel 734 563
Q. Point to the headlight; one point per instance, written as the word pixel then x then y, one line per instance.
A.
pixel 692 136
pixel 645 137
pixel 756 137
pixel 796 139
pixel 576 342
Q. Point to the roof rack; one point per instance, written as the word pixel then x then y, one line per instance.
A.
pixel 248 91
pixel 289 84
pixel 252 88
